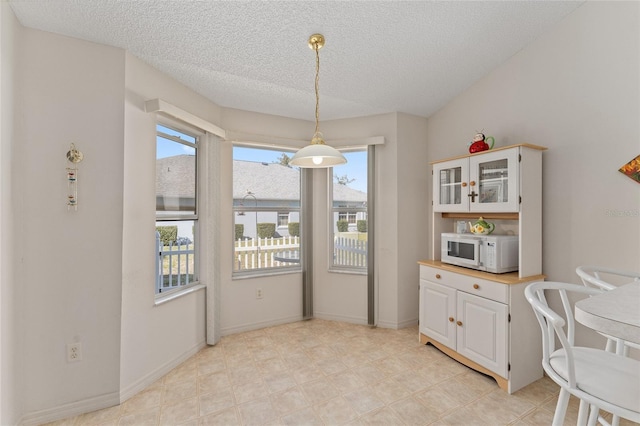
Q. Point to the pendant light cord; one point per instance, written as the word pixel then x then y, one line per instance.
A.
pixel 316 48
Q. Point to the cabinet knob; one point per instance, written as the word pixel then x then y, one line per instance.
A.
pixel 451 319
pixel 459 323
pixel 463 184
pixel 438 276
pixel 476 286
pixel 472 183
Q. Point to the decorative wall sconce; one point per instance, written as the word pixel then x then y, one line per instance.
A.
pixel 74 157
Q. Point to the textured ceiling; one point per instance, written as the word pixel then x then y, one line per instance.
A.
pixel 379 57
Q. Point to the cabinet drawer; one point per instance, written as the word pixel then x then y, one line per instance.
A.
pixel 434 274
pixel 483 288
pixel 478 286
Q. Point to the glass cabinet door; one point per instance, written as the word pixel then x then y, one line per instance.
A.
pixel 450 186
pixel 494 182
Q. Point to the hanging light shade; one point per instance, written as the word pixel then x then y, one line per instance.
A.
pixel 318 154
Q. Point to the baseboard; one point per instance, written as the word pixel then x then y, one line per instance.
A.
pixel 70 410
pixel 408 323
pixel 258 325
pixel 340 318
pixel 142 383
pixel 363 321
pixel 397 325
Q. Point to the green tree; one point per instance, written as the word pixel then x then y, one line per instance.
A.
pixel 284 159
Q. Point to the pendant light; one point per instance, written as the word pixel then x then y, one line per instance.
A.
pixel 318 154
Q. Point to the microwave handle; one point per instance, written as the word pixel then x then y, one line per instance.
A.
pixel 449 246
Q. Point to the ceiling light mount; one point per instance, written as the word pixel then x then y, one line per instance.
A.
pixel 316 42
pixel 318 154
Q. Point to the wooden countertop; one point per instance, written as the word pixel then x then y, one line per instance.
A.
pixel 507 278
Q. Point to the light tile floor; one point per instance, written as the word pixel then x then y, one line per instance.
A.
pixel 328 373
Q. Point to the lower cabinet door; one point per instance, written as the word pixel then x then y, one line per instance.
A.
pixel 482 331
pixel 438 312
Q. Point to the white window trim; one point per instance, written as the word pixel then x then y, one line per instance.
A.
pixel 352 270
pixel 265 272
pixel 163 298
pixel 200 135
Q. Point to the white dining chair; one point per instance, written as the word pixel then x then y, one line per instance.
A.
pixel 608 279
pixel 599 379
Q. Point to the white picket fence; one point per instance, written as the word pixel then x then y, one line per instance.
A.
pixel 285 252
pixel 174 265
pixel 256 253
pixel 350 252
pixel 267 253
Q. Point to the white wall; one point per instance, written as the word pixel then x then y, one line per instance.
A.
pixel 69 263
pixel 338 296
pixel 154 338
pixel 413 213
pixel 576 91
pixel 84 275
pixel 343 297
pixel 282 294
pixel 10 348
pixel 400 208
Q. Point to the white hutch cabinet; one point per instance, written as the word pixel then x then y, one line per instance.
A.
pixel 481 319
pixel 480 183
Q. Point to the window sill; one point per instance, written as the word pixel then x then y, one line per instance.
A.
pixel 164 298
pixel 348 271
pixel 247 275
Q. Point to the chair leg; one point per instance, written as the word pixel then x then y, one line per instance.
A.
pixel 561 407
pixel 593 415
pixel 611 345
pixel 583 413
pixel 625 350
pixel 615 421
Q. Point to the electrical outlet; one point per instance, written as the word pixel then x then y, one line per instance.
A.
pixel 258 293
pixel 74 352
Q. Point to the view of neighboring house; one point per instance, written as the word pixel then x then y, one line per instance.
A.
pixel 271 186
pixel 175 190
pixel 175 183
pixel 263 193
pixel 276 187
pixel 256 185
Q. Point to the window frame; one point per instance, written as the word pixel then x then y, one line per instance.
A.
pixel 350 212
pixel 251 209
pixel 198 136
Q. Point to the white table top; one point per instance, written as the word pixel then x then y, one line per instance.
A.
pixel 615 312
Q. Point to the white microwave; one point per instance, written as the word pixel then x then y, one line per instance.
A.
pixel 490 253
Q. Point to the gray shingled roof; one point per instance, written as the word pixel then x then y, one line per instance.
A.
pixel 174 176
pixel 268 181
pixel 273 181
